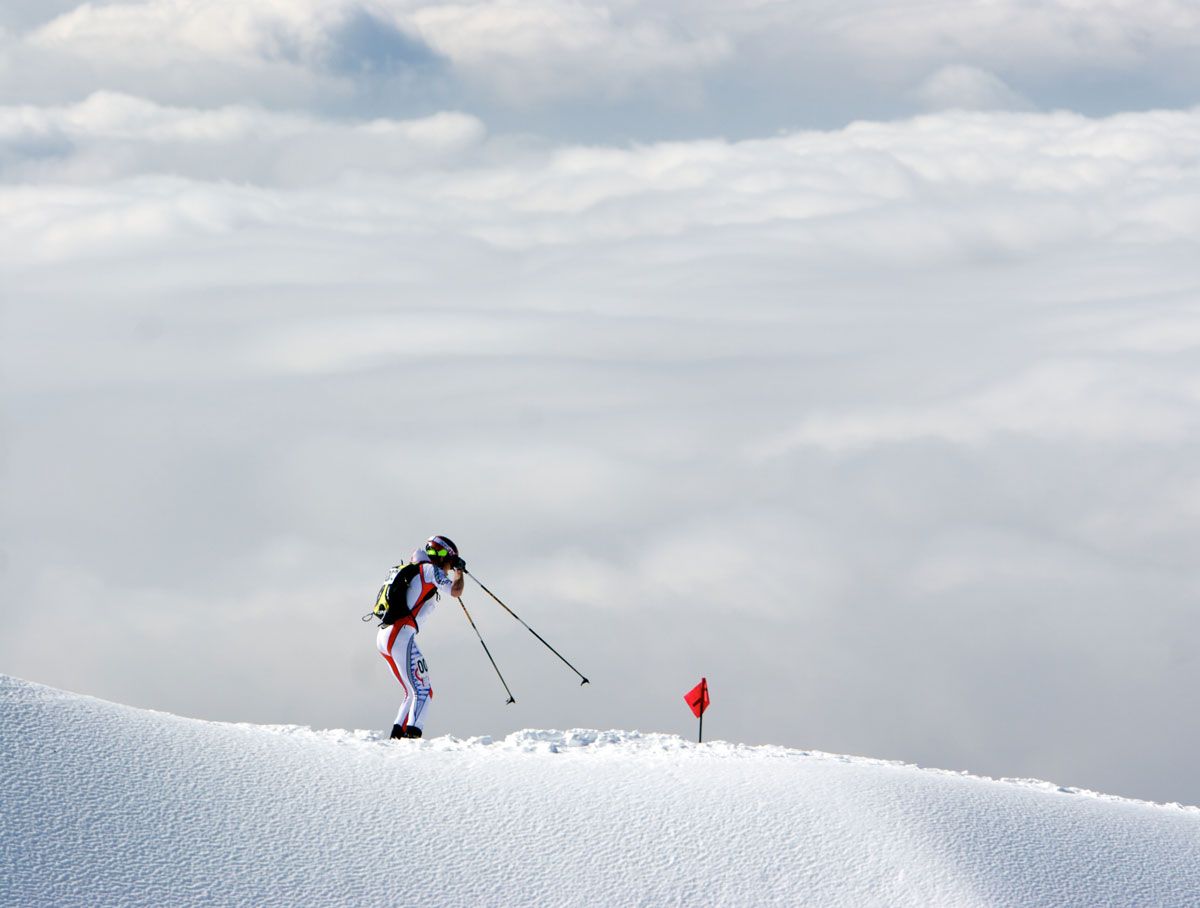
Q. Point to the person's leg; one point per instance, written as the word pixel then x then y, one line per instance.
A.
pixel 418 683
pixel 391 642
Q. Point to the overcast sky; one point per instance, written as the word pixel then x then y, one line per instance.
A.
pixel 845 353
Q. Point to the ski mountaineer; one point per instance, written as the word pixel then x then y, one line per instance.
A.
pixel 405 602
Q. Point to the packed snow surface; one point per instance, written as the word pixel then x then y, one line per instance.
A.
pixel 110 805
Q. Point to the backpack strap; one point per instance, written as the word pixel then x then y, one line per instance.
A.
pixel 391 606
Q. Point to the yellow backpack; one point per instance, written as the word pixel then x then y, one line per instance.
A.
pixel 391 605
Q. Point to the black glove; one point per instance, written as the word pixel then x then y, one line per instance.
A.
pixel 458 564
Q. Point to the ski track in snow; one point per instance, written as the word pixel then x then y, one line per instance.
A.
pixel 108 805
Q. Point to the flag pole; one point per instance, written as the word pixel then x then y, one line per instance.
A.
pixel 697 700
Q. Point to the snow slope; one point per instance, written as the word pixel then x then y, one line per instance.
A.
pixel 109 805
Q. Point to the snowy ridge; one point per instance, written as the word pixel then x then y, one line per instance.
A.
pixel 110 805
pixel 590 740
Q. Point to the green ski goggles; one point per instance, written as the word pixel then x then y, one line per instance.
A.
pixel 437 553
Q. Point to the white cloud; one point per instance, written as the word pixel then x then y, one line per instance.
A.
pixel 1047 35
pixel 956 188
pixel 1080 401
pixel 722 64
pixel 952 189
pixel 535 50
pixel 164 32
pixel 111 135
pixel 528 51
pixel 958 87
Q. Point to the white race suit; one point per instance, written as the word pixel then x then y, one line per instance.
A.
pixel 397 642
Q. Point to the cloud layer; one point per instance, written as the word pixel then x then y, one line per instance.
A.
pixel 610 68
pixel 889 429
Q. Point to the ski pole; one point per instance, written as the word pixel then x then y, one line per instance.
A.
pixel 511 698
pixel 527 627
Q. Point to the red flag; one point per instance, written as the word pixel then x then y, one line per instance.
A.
pixel 697 698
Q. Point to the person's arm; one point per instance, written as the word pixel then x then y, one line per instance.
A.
pixel 449 580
